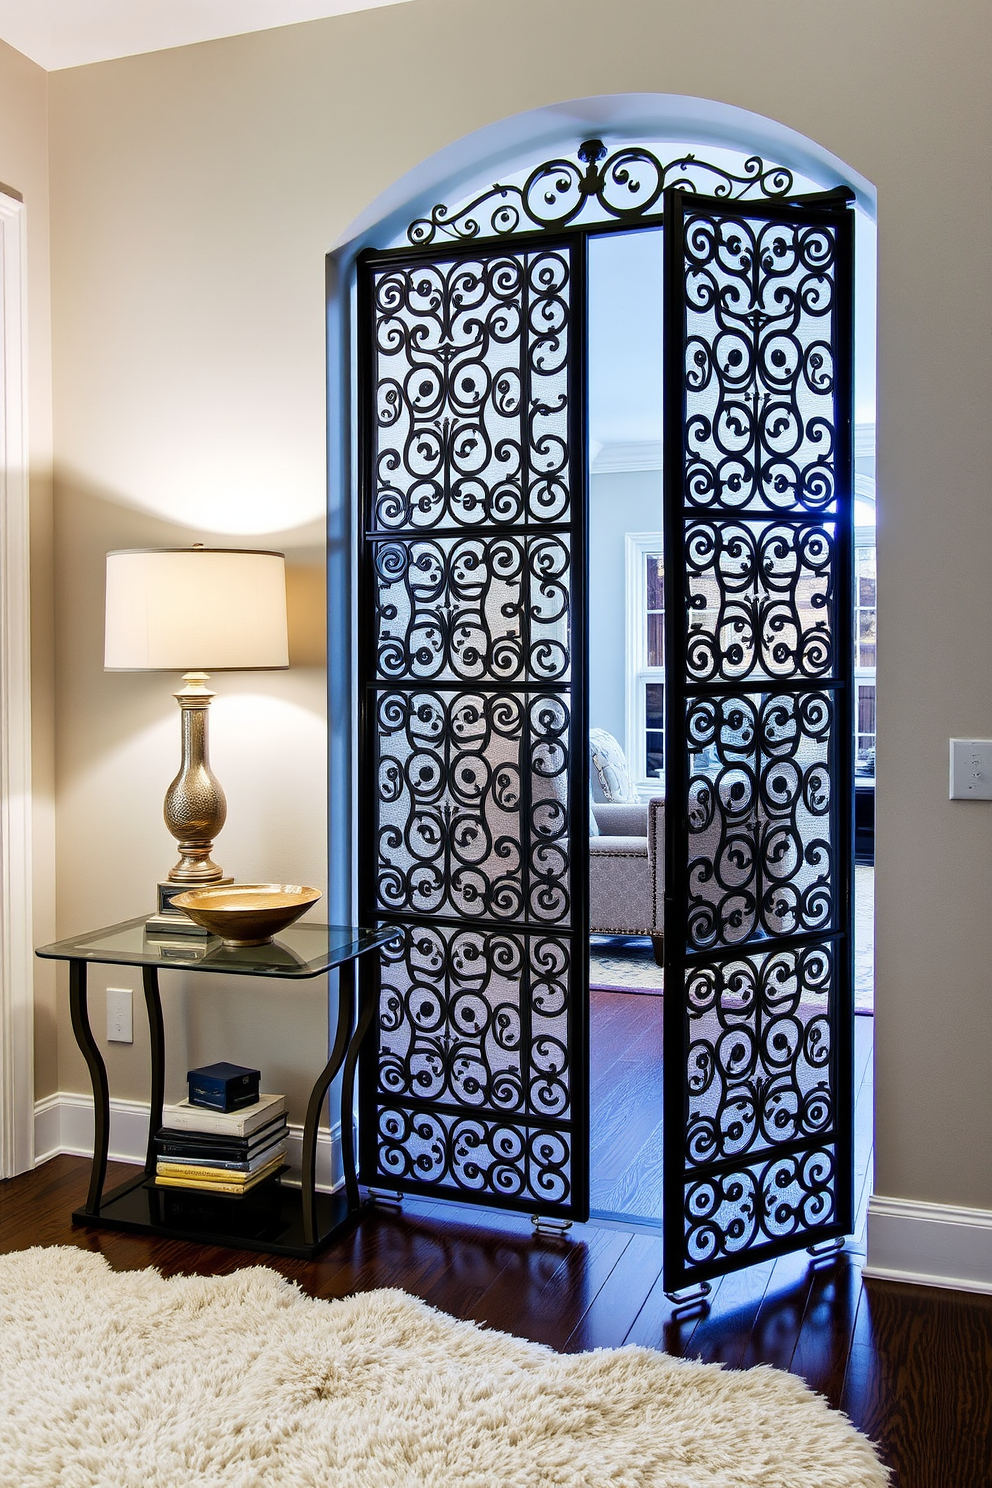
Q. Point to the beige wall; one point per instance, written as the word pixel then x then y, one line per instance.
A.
pixel 24 170
pixel 195 193
pixel 118 748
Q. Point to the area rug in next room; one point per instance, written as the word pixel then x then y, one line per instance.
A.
pixel 625 963
pixel 127 1380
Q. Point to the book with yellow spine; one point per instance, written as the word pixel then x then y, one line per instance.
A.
pixel 215 1180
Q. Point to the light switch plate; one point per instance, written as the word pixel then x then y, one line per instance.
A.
pixel 971 769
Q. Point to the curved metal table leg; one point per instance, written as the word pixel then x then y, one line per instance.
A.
pixel 156 1031
pixel 79 1013
pixel 346 1015
pixel 366 1014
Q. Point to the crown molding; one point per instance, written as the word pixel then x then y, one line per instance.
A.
pixel 614 457
pixel 619 456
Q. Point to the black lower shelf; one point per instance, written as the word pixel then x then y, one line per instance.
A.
pixel 268 1218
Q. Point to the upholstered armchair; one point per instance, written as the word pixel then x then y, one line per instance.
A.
pixel 627 871
pixel 626 852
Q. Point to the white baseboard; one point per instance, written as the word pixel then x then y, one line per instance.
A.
pixel 63 1123
pixel 929 1244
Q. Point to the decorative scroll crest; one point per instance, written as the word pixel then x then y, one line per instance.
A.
pixel 624 186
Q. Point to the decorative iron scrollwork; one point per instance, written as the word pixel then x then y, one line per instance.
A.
pixel 481 608
pixel 760 600
pixel 759 1053
pixel 468 529
pixel 623 186
pixel 759 374
pixel 760 557
pixel 451 1013
pixel 727 1214
pixel 475 1033
pixel 759 1082
pixel 471 391
pixel 472 792
pixel 761 858
pixel 474 1157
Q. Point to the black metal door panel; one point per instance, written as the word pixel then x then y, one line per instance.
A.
pixel 758 480
pixel 473 770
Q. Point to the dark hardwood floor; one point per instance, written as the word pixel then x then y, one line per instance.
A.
pixel 625 1099
pixel 626 1089
pixel 911 1366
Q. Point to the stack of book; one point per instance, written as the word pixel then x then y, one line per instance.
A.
pixel 224 1152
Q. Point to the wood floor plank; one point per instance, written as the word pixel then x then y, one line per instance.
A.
pixel 610 1315
pixel 827 1328
pixel 723 1333
pixel 627 1104
pixel 626 1124
pixel 478 1257
pixel 638 1190
pixel 614 1027
pixel 779 1316
pixel 547 1292
pixel 660 1322
pixel 918 1383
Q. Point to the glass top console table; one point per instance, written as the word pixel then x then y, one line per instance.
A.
pixel 274 1217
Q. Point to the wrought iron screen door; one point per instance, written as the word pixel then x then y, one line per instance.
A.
pixel 472 757
pixel 759 825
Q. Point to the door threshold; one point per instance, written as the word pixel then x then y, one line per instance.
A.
pixel 606 1219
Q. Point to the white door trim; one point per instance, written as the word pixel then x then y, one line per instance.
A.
pixel 16 950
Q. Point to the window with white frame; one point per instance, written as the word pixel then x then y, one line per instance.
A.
pixel 645 588
pixel 645 592
pixel 864 649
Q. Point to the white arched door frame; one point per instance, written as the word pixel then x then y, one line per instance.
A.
pixel 16 949
pixel 452 175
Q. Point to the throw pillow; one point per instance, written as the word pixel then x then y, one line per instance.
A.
pixel 610 767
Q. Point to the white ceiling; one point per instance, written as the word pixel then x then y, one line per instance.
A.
pixel 68 33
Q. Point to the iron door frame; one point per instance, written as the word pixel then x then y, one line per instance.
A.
pixel 829 210
pixel 832 208
pixel 576 931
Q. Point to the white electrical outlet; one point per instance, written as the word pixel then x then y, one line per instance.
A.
pixel 971 769
pixel 119 1026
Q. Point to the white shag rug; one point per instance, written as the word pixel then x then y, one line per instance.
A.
pixel 128 1380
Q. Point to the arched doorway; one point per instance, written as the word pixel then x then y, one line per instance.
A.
pixel 473 694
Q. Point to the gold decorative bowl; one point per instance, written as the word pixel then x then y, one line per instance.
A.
pixel 247 914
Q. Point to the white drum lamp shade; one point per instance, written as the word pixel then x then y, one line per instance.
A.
pixel 196 609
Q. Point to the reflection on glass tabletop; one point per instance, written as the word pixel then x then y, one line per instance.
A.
pixel 303 950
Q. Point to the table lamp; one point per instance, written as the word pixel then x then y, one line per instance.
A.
pixel 194 610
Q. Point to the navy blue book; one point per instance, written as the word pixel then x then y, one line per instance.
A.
pixel 223 1086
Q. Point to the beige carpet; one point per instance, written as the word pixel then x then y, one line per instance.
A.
pixel 125 1380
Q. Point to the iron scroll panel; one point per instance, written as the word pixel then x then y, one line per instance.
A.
pixel 471 660
pixel 621 185
pixel 758 481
